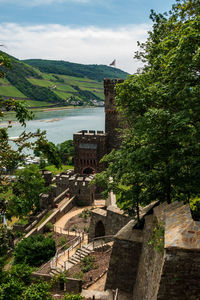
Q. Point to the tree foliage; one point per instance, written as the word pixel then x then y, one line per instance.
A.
pixel 34 250
pixel 26 188
pixel 15 284
pixel 95 72
pixel 159 158
pixel 66 151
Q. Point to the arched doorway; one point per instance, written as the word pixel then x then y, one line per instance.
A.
pixel 99 229
pixel 88 171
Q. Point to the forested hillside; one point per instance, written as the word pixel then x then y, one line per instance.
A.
pixel 46 83
pixel 95 72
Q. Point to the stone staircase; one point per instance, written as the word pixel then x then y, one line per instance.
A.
pixel 54 272
pixel 80 254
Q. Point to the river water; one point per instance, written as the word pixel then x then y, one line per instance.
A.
pixel 61 124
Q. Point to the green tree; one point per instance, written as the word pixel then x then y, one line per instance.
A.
pixel 160 154
pixel 47 150
pixel 38 291
pixel 14 282
pixel 27 187
pixel 34 250
pixel 6 240
pixel 73 296
pixel 9 157
pixel 66 151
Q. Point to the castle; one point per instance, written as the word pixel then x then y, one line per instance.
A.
pixel 89 147
pixel 158 258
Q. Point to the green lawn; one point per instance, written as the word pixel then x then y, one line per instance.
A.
pixel 62 95
pixel 4 81
pixel 33 103
pixel 65 88
pixel 48 76
pixel 55 171
pixel 44 83
pixel 10 91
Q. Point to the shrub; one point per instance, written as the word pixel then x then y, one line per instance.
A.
pixel 63 241
pixel 34 250
pixel 74 228
pixel 157 239
pixel 78 275
pixel 195 208
pixel 73 296
pixel 37 291
pixel 86 229
pixel 88 263
pixel 48 227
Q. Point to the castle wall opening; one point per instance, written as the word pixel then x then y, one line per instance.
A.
pixel 99 229
pixel 88 171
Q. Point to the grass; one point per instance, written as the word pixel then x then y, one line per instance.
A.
pixel 41 82
pixel 48 76
pixel 55 171
pixel 10 91
pixel 33 103
pixel 4 81
pixel 63 95
pixel 44 218
pixel 65 88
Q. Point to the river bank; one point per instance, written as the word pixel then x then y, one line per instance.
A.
pixel 60 123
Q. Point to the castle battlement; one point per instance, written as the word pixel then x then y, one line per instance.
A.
pixel 89 134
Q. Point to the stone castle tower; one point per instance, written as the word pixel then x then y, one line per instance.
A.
pixel 91 146
pixel 112 120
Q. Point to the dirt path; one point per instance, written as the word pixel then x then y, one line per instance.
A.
pixel 60 224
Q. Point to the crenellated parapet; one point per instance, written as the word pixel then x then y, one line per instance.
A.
pixel 89 147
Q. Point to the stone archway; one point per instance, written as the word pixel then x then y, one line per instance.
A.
pixel 88 171
pixel 99 229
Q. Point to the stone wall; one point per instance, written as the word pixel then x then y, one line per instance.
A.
pixel 113 220
pixel 150 265
pixel 171 272
pixel 124 259
pixel 98 215
pixel 72 285
pixel 180 275
pixel 89 148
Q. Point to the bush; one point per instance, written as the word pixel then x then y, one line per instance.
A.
pixel 86 229
pixel 37 291
pixel 74 228
pixel 78 275
pixel 88 263
pixel 195 208
pixel 48 227
pixel 34 250
pixel 63 241
pixel 73 296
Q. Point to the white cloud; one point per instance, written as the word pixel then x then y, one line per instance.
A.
pixel 87 45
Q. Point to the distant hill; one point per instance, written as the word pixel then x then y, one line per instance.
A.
pixel 94 72
pixel 46 82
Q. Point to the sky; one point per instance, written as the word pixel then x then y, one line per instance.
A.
pixel 80 31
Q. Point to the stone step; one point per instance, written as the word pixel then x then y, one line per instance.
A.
pixel 81 254
pixel 54 272
pixel 86 250
pixel 74 260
